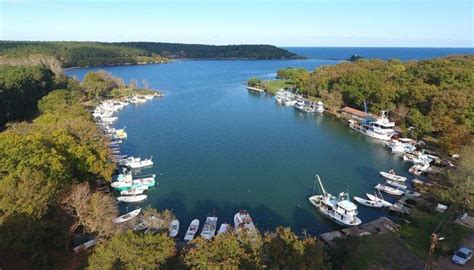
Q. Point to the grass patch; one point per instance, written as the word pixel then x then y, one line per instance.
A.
pixel 272 86
pixel 417 235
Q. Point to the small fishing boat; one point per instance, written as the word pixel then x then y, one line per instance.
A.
pixel 402 145
pixel 139 163
pixel 209 228
pixel 243 220
pixel 392 176
pixel 174 228
pixel 192 230
pixel 396 185
pixel 135 191
pixel 122 185
pixel 378 198
pixel 339 209
pixel 389 190
pixel 417 158
pixel 412 194
pixel 135 198
pixel 224 228
pixel 369 203
pixel 418 169
pixel 320 107
pixel 127 216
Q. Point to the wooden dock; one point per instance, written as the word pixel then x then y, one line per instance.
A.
pixel 381 225
pixel 255 89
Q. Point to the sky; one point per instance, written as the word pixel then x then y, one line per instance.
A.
pixel 342 23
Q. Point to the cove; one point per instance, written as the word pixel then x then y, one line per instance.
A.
pixel 220 148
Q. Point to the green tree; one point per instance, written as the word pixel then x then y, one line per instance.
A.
pixel 133 251
pixel 284 250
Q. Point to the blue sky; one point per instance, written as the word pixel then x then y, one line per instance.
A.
pixel 369 23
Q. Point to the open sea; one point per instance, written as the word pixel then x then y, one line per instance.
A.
pixel 219 148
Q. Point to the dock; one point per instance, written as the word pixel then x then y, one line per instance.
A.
pixel 255 89
pixel 381 225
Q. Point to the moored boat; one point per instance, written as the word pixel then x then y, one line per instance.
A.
pixel 392 176
pixel 396 185
pixel 369 203
pixel 139 163
pixel 380 128
pixel 192 230
pixel 135 191
pixel 127 216
pixel 209 229
pixel 174 228
pixel 339 209
pixel 134 198
pixel 389 190
pixel 378 198
pixel 224 228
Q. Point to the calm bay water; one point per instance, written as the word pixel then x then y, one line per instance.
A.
pixel 218 147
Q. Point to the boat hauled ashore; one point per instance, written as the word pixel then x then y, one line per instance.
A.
pixel 339 209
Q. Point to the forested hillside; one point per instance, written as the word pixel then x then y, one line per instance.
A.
pixel 80 54
pixel 435 96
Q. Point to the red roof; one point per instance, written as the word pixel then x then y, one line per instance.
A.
pixel 354 112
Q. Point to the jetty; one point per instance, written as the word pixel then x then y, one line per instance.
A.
pixel 381 225
pixel 255 89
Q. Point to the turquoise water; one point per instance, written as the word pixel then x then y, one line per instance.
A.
pixel 218 147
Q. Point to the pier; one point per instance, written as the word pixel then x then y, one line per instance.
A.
pixel 381 225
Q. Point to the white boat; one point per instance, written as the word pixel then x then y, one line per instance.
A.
pixel 209 229
pixel 418 169
pixel 135 191
pixel 224 228
pixel 309 109
pixel 320 107
pixel 378 198
pixel 289 102
pixel 381 128
pixel 141 163
pixel 369 203
pixel 243 220
pixel 402 145
pixel 135 198
pixel 300 104
pixel 127 216
pixel 417 158
pixel 192 230
pixel 174 228
pixel 392 176
pixel 397 185
pixel 339 209
pixel 389 190
pixel 412 194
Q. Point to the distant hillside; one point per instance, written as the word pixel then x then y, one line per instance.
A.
pixel 79 54
pixel 196 51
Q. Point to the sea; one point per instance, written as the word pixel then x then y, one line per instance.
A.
pixel 219 148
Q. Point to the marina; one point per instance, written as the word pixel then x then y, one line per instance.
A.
pixel 202 172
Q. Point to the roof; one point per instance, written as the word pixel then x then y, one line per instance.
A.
pixel 355 112
pixel 348 205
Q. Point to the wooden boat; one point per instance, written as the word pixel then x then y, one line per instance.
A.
pixel 209 228
pixel 369 203
pixel 135 198
pixel 378 198
pixel 135 191
pixel 224 228
pixel 192 230
pixel 389 190
pixel 85 246
pixel 392 176
pixel 397 185
pixel 174 228
pixel 127 216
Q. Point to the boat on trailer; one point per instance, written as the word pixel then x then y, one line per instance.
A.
pixel 339 209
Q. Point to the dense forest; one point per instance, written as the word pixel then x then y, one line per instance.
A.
pixel 80 54
pixel 435 97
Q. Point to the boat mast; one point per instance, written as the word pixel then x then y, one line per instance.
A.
pixel 321 185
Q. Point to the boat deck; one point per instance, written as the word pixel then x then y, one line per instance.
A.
pixel 381 225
